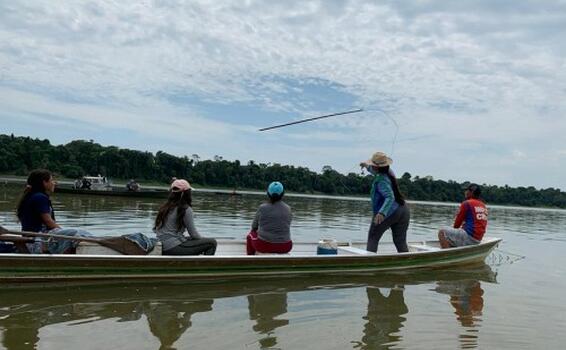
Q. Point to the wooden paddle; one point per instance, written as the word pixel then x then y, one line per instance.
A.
pixel 18 241
pixel 119 244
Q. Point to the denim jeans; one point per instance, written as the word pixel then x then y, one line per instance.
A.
pixel 57 245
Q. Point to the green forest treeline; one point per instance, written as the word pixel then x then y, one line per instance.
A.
pixel 19 155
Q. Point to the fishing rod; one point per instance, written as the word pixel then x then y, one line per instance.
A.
pixel 311 119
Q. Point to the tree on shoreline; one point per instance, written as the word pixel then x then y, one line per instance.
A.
pixel 19 155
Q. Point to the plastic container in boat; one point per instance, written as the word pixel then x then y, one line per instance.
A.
pixel 327 246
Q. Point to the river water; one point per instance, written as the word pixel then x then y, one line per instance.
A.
pixel 515 301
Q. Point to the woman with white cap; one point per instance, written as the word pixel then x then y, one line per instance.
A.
pixel 388 204
pixel 271 228
pixel 176 216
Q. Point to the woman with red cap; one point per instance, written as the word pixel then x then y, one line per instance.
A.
pixel 176 216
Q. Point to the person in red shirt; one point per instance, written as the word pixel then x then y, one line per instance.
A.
pixel 470 223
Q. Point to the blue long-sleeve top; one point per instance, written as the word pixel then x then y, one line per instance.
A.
pixel 382 196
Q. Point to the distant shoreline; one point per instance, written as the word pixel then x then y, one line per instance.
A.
pixel 154 170
pixel 14 180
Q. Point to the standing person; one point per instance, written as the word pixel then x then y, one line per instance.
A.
pixel 174 217
pixel 36 214
pixel 86 184
pixel 132 185
pixel 388 204
pixel 470 223
pixel 271 228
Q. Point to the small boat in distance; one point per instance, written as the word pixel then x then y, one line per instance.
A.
pixel 114 192
pixel 100 185
pixel 96 183
pixel 231 261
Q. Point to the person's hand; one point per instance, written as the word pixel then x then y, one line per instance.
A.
pixel 378 219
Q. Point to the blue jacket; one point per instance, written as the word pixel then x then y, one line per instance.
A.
pixel 382 196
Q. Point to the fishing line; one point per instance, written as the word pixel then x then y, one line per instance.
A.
pixel 347 172
pixel 511 254
pixel 394 141
pixel 500 257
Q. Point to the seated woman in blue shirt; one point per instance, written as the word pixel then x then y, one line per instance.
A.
pixel 36 214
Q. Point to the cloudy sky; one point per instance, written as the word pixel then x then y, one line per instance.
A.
pixel 461 90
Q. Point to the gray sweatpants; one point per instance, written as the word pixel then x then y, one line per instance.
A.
pixel 206 246
pixel 398 222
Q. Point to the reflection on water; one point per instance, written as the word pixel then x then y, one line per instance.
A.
pixel 264 309
pixel 164 312
pixel 466 296
pixel 385 317
pixel 169 320
pixel 442 310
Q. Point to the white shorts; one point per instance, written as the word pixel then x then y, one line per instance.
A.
pixel 458 237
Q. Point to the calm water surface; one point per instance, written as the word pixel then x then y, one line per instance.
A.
pixel 509 303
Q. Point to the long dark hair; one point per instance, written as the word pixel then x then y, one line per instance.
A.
pixel 34 184
pixel 180 200
pixel 275 197
pixel 398 196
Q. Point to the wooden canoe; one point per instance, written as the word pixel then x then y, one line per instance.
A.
pixel 231 261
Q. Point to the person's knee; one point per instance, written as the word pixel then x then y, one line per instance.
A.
pixel 444 242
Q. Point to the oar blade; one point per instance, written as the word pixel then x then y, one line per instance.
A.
pixel 122 245
pixel 119 244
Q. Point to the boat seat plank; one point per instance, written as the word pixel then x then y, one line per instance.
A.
pixel 260 253
pixel 231 247
pixel 422 247
pixel 354 250
pixel 91 248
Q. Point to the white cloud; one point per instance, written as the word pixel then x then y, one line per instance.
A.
pixel 468 83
